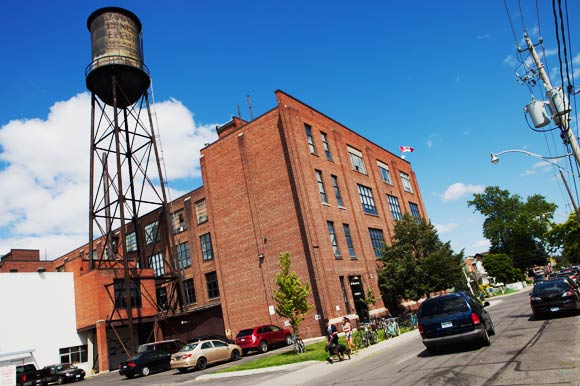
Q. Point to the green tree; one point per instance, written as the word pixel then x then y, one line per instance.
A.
pixel 566 238
pixel 417 262
pixel 515 227
pixel 500 267
pixel 291 297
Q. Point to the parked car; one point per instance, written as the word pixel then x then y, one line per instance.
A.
pixel 150 358
pixel 454 318
pixel 554 296
pixel 263 337
pixel 199 354
pixel 65 372
pixel 29 375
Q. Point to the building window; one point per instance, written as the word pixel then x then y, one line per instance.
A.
pixel 178 221
pixel 385 173
pixel 156 263
pixel 356 160
pixel 311 146
pixel 213 290
pixel 333 241
pixel 336 190
pixel 366 198
pixel 206 249
pixel 321 187
pixel 394 207
pixel 134 293
pixel 406 182
pixel 162 303
pixel 201 211
pixel 344 296
pixel 183 259
pixel 189 291
pixel 346 229
pixel 377 240
pixel 152 233
pixel 415 211
pixel 76 354
pixel 325 146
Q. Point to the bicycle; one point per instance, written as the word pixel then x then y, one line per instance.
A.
pixel 392 328
pixel 365 336
pixel 414 321
pixel 299 346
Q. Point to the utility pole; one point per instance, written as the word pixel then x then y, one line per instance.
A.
pixel 564 122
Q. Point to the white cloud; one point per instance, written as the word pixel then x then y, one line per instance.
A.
pixel 457 190
pixel 45 180
pixel 483 36
pixel 482 244
pixel 444 228
pixel 429 143
pixel 539 167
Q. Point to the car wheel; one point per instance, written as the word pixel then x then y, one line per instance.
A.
pixel 145 371
pixel 538 316
pixel 60 380
pixel 245 351
pixel 263 346
pixel 485 340
pixel 491 328
pixel 201 363
pixel 289 340
pixel 235 355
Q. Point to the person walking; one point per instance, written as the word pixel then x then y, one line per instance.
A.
pixel 332 335
pixel 347 328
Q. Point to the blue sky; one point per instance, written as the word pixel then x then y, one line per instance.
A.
pixel 437 76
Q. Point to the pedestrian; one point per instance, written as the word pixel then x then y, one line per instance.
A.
pixel 347 328
pixel 332 335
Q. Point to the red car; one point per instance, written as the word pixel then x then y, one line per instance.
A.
pixel 263 337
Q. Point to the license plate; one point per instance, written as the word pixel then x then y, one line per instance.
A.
pixel 242 339
pixel 554 309
pixel 78 375
pixel 446 324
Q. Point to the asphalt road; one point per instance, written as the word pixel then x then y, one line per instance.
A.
pixel 524 351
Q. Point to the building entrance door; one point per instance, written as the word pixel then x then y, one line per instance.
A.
pixel 358 295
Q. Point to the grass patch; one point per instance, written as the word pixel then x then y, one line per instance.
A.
pixel 314 352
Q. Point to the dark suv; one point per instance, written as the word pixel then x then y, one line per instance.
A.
pixel 454 318
pixel 262 337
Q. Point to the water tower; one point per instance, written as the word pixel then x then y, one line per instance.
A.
pixel 125 168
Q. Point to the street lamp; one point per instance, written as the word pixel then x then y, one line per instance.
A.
pixel 495 161
pixel 495 156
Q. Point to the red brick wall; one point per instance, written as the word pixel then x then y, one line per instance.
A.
pixel 263 199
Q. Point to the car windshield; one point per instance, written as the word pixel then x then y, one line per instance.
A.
pixel 65 367
pixel 550 286
pixel 444 306
pixel 245 332
pixel 145 347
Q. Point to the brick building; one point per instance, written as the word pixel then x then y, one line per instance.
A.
pixel 292 180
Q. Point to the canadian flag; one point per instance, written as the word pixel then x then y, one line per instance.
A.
pixel 405 149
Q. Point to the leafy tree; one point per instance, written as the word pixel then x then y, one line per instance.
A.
pixel 566 237
pixel 417 262
pixel 500 266
pixel 291 297
pixel 515 227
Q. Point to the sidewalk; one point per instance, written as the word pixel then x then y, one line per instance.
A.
pixel 296 373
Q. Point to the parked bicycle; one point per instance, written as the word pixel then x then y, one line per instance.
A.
pixel 414 321
pixel 299 347
pixel 392 328
pixel 365 336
